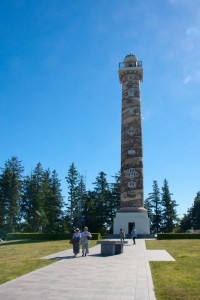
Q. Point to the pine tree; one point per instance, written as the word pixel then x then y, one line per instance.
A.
pixel 10 192
pixel 114 200
pixel 33 200
pixel 186 222
pixel 72 179
pixel 191 220
pixel 26 206
pixel 82 196
pixel 58 203
pixel 42 202
pixel 53 202
pixel 101 203
pixel 46 207
pixel 149 208
pixel 154 205
pixel 195 211
pixel 89 212
pixel 169 214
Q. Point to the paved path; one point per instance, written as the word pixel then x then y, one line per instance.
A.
pixel 125 276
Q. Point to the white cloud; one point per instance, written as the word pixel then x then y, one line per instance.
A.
pixel 195 77
pixel 187 79
pixel 192 32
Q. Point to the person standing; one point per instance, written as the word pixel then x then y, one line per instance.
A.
pixel 133 235
pixel 85 238
pixel 76 241
pixel 122 234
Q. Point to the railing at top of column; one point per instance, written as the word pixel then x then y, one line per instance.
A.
pixel 135 64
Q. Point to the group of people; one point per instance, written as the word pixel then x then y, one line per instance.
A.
pixel 122 234
pixel 82 238
pixel 85 236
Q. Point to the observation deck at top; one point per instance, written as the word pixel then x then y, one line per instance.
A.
pixel 130 65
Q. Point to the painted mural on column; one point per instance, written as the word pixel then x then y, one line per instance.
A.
pixel 131 74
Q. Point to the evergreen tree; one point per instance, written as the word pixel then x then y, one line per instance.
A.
pixel 26 206
pixel 196 212
pixel 2 204
pixel 46 208
pixel 101 203
pixel 73 180
pixel 186 222
pixel 114 201
pixel 33 200
pixel 53 202
pixel 10 192
pixel 169 214
pixel 82 196
pixel 153 204
pixel 191 220
pixel 89 211
pixel 57 202
pixel 42 202
pixel 148 207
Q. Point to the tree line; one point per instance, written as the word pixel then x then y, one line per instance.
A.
pixel 161 209
pixel 163 213
pixel 34 202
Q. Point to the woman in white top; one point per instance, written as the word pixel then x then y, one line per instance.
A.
pixel 85 238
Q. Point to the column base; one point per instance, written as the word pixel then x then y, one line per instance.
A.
pixel 128 218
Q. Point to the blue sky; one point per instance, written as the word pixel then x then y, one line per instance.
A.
pixel 60 96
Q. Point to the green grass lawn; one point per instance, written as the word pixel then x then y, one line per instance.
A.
pixel 179 280
pixel 21 257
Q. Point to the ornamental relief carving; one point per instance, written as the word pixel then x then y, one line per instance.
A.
pixel 135 119
pixel 131 173
pixel 124 125
pixel 131 93
pixel 130 75
pixel 135 184
pixel 137 166
pixel 128 172
pixel 132 184
pixel 132 162
pixel 132 143
pixel 125 190
pixel 131 154
pixel 131 140
pixel 131 132
pixel 128 103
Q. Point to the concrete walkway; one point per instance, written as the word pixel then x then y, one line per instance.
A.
pixel 125 276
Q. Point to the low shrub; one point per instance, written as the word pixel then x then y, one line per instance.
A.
pixel 177 236
pixel 45 236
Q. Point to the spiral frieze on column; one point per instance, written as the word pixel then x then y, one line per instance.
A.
pixel 131 136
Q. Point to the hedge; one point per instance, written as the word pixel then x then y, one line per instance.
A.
pixel 177 236
pixel 45 236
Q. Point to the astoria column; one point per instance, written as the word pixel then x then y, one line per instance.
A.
pixel 131 195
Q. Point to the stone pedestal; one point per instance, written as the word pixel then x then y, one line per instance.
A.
pixel 127 220
pixel 109 247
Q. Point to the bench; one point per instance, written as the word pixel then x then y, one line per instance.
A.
pixel 110 247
